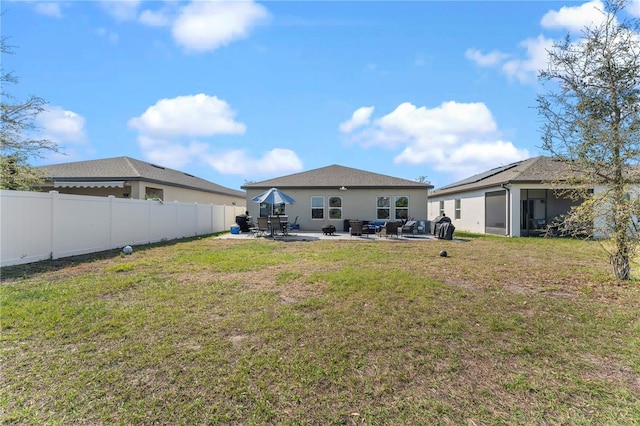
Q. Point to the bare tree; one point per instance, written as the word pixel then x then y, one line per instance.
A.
pixel 591 117
pixel 17 126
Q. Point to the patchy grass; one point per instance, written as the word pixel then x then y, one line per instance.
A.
pixel 206 331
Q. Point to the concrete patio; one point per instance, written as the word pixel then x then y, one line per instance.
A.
pixel 297 235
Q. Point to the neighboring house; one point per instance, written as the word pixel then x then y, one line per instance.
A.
pixel 334 194
pixel 513 200
pixel 125 177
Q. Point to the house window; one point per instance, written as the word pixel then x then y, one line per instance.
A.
pixel 267 209
pixel 383 207
pixel 278 209
pixel 335 208
pixel 317 207
pixel 402 207
pixel 441 208
pixel 153 193
pixel 457 209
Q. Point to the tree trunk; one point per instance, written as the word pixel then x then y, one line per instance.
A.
pixel 621 266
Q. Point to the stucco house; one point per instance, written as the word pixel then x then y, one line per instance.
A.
pixel 334 194
pixel 125 177
pixel 513 200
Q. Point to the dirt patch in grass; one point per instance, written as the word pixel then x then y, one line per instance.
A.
pixel 611 370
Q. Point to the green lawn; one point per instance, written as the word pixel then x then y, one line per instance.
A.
pixel 215 331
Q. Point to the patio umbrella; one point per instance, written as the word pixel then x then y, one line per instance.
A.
pixel 273 196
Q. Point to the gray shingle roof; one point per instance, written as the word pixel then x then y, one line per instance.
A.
pixel 534 170
pixel 126 168
pixel 335 176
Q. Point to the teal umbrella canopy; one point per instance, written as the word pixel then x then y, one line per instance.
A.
pixel 273 196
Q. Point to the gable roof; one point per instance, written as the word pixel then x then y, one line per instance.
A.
pixel 336 176
pixel 533 170
pixel 130 169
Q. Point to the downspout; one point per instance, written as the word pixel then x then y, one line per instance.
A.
pixel 508 206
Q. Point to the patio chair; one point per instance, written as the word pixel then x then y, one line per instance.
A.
pixel 263 227
pixel 284 225
pixel 368 229
pixel 408 228
pixel 355 228
pixel 390 229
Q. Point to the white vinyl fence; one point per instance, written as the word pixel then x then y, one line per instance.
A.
pixel 37 226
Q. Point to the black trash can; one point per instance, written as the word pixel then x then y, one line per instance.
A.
pixel 345 225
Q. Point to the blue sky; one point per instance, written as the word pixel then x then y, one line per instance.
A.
pixel 236 91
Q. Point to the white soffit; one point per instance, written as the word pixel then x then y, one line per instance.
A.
pixel 88 184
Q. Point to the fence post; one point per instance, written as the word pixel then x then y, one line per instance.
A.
pixel 177 226
pixel 54 207
pixel 197 232
pixel 111 198
pixel 149 221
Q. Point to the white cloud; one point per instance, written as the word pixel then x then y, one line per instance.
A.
pixel 167 130
pixel 200 25
pixel 192 115
pixel 474 157
pixel 485 60
pixel 156 18
pixel 526 70
pixel 419 60
pixel 409 121
pixel 109 35
pixel 170 153
pixel 208 25
pixel 121 10
pixel 484 152
pixel 634 8
pixel 62 126
pixel 239 162
pixel 359 118
pixel 52 9
pixel 574 18
pixel 453 137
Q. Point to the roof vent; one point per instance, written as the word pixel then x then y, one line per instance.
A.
pixel 158 167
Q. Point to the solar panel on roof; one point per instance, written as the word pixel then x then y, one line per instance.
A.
pixel 482 176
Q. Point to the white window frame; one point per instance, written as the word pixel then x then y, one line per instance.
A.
pixel 313 207
pixel 152 193
pixel 333 208
pixel 396 208
pixel 380 206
